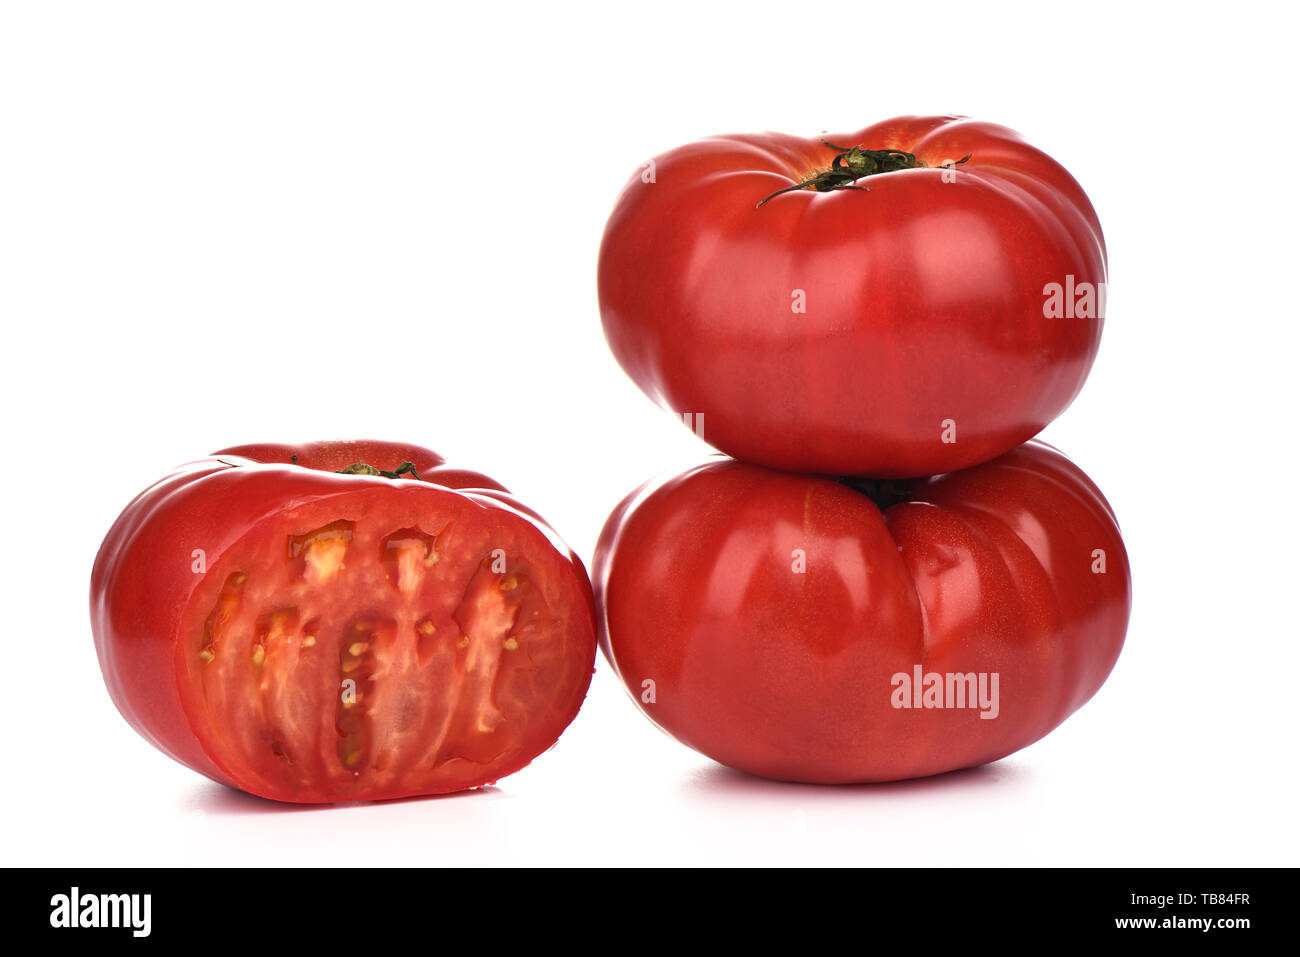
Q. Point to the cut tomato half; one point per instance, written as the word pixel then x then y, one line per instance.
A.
pixel 351 637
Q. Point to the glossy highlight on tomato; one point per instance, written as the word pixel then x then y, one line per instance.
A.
pixel 789 625
pixel 291 623
pixel 924 316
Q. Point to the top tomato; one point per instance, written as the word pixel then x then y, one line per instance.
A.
pixel 909 311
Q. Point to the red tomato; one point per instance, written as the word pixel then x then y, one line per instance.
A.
pixel 912 321
pixel 787 626
pixel 311 636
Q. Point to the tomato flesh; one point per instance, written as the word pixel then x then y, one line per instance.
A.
pixel 346 659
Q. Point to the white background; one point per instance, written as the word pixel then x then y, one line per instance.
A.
pixel 230 222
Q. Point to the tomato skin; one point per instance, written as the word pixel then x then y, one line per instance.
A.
pixel 145 590
pixel 923 299
pixel 789 675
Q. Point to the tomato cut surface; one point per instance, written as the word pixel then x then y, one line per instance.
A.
pixel 351 637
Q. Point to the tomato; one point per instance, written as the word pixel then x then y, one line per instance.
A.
pixel 789 626
pixel 311 636
pixel 917 307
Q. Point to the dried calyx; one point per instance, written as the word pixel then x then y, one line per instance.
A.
pixel 357 468
pixel 361 468
pixel 852 163
pixel 884 492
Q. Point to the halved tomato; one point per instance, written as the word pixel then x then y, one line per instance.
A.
pixel 341 622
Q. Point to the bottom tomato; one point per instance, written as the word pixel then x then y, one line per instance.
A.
pixel 341 621
pixel 809 629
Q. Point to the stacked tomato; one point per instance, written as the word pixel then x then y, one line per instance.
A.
pixel 890 578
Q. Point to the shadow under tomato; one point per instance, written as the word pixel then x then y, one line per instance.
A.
pixel 213 798
pixel 716 780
